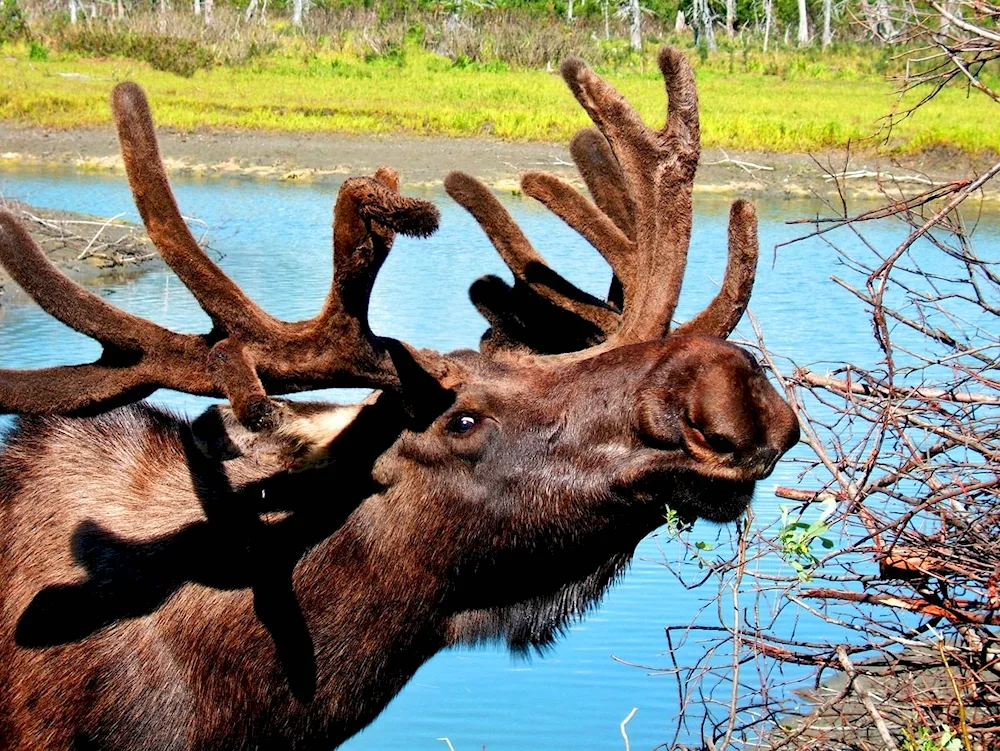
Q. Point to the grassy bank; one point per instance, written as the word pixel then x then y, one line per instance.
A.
pixel 807 107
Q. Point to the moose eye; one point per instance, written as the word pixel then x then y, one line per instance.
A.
pixel 463 423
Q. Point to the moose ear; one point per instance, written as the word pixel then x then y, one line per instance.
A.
pixel 303 437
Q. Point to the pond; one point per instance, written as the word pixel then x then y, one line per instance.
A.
pixel 274 240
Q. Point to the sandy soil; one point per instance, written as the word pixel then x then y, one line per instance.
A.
pixel 425 161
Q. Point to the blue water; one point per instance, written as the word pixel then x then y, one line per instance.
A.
pixel 274 240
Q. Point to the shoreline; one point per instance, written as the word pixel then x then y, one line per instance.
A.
pixel 424 161
pixel 89 250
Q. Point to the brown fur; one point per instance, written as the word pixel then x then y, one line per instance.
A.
pixel 169 617
pixel 175 585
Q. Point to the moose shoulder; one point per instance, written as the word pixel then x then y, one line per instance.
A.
pixel 270 575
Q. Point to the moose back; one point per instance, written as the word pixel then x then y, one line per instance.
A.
pixel 272 573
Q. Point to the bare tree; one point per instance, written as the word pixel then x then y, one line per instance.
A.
pixel 803 33
pixel 878 19
pixel 827 15
pixel 702 21
pixel 768 21
pixel 635 25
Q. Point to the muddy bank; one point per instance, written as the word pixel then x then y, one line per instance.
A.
pixel 89 250
pixel 425 161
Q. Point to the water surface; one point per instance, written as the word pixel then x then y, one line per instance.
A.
pixel 274 240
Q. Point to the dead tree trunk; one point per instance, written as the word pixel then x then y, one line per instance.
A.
pixel 703 24
pixel 803 33
pixel 827 31
pixel 635 22
pixel 768 16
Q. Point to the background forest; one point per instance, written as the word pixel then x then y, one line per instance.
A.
pixel 508 32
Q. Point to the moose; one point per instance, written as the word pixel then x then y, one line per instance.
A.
pixel 270 574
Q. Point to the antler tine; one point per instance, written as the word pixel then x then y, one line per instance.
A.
pixel 596 226
pixel 337 347
pixel 368 213
pixel 63 299
pixel 726 309
pixel 521 319
pixel 260 354
pixel 138 356
pixel 603 175
pixel 248 354
pixel 658 170
pixel 528 267
pixel 224 302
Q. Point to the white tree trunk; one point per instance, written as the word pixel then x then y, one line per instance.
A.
pixel 681 23
pixel 297 12
pixel 607 26
pixel 886 27
pixel 703 24
pixel 731 18
pixel 827 31
pixel 197 7
pixel 943 23
pixel 768 16
pixel 72 11
pixel 635 21
pixel 803 35
pixel 569 12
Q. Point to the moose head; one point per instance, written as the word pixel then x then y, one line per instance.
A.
pixel 364 538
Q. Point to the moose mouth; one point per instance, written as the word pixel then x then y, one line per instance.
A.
pixel 692 496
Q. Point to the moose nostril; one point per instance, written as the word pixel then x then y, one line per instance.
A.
pixel 767 458
pixel 713 439
pixel 719 443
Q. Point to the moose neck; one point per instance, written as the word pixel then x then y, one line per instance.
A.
pixel 373 619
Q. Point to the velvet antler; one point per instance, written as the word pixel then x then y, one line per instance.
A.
pixel 249 353
pixel 640 181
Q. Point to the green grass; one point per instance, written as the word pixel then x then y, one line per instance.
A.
pixel 807 107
